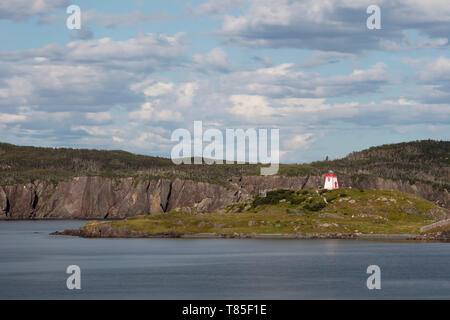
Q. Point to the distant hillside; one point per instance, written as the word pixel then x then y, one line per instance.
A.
pixel 425 161
pixel 20 164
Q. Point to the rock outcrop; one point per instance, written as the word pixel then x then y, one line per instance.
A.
pixel 440 224
pixel 104 230
pixel 442 236
pixel 105 198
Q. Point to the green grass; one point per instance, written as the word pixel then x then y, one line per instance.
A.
pixel 345 211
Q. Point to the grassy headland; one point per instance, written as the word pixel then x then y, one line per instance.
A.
pixel 347 211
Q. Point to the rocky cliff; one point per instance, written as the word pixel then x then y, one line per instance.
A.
pixel 100 198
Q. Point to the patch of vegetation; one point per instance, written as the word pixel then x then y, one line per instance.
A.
pixel 315 204
pixel 273 197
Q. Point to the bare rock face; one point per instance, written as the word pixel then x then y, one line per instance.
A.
pixel 204 196
pixel 24 204
pixel 104 198
pixel 4 205
pixel 257 184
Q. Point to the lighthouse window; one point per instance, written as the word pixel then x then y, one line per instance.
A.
pixel 328 178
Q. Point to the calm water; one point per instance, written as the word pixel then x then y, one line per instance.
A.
pixel 33 264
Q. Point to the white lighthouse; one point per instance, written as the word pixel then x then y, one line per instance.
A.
pixel 331 181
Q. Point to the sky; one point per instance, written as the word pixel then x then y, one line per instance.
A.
pixel 138 70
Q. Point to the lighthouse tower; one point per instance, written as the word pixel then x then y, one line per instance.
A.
pixel 331 181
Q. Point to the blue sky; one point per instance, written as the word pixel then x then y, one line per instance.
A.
pixel 138 70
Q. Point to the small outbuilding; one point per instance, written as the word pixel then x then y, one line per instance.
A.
pixel 331 181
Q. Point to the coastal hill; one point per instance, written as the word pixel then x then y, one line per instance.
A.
pixel 426 161
pixel 48 183
pixel 25 164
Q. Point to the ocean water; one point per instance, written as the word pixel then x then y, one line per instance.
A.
pixel 33 266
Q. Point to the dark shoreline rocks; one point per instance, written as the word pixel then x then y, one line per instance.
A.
pixel 105 230
pixel 125 233
pixel 442 236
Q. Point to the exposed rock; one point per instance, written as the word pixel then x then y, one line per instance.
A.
pixel 100 198
pixel 437 236
pixel 439 224
pixel 411 210
pixel 4 205
pixel 330 215
pixel 328 225
pixel 372 216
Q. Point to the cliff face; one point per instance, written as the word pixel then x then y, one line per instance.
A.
pixel 254 184
pixel 95 197
pixel 99 198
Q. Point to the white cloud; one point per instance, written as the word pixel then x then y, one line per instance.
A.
pixel 214 61
pixel 12 118
pixel 338 25
pixel 91 130
pixel 186 93
pixel 98 117
pixel 86 75
pixel 148 113
pixel 144 48
pixel 286 80
pixel 250 106
pixel 158 89
pixel 438 69
pixel 118 139
pixel 16 90
pixel 435 80
pixel 300 141
pixel 151 142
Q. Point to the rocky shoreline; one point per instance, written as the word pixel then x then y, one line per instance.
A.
pixel 107 231
pixel 436 236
